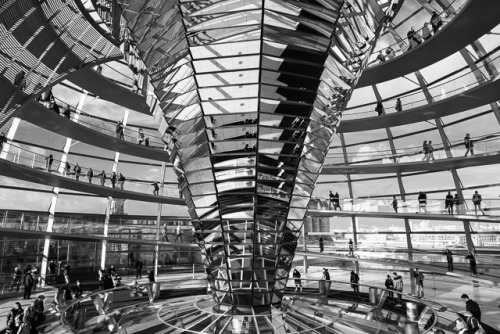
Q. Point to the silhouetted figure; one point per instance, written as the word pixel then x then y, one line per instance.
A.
pixel 296 277
pixel 151 276
pixel 389 284
pixel 138 268
pixel 394 204
pixel 422 202
pixel 90 175
pixel 50 160
pixel 77 169
pixel 472 263
pixel 113 179
pixel 436 22
pixel 379 108
pixel 321 245
pixel 351 248
pixel 156 188
pixel 469 145
pixel 119 131
pixel 448 203
pixel 399 107
pixel 354 282
pixel 477 199
pixel 449 259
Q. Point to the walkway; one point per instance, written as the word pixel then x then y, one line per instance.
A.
pixel 106 89
pixel 487 280
pixel 480 95
pixel 38 115
pixel 408 215
pixel 477 18
pixel 21 172
pixel 436 165
pixel 31 234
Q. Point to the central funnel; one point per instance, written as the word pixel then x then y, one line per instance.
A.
pixel 249 95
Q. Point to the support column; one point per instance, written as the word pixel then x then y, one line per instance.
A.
pixel 111 202
pixel 349 186
pixel 55 193
pixel 10 137
pixel 304 238
pixel 158 217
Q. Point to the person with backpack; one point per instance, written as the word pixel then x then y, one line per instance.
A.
pixel 398 286
pixel 419 281
pixel 473 324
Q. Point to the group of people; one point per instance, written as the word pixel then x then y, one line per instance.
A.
pixel 120 134
pixel 21 321
pixel 428 151
pixel 29 279
pixel 335 201
pixel 427 31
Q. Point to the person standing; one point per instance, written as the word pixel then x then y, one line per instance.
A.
pixel 296 277
pixel 422 202
pixel 121 180
pixel 426 31
pixel 419 282
pixel 321 245
pixel 425 150
pixel 18 274
pixel 138 268
pixel 456 202
pixel 113 179
pixel 3 139
pixel 472 262
pixel 394 204
pixel 336 202
pixel 448 203
pixel 354 282
pixel 399 106
pixel 103 178
pixel 326 279
pixel 398 286
pixel 477 199
pixel 351 248
pixel 430 150
pixel 77 169
pixel 469 145
pixel 90 175
pixel 413 39
pixel 67 169
pixel 52 271
pixel 436 22
pixel 449 259
pixel 151 275
pixel 472 307
pixel 379 108
pixel 14 319
pixel 28 285
pixel 389 284
pixel 50 160
pixel 332 200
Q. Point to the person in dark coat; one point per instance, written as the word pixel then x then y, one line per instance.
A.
pixel 28 285
pixel 389 284
pixel 448 203
pixel 354 282
pixel 449 259
pixel 14 319
pixel 472 262
pixel 151 275
pixel 138 268
pixel 422 202
pixel 296 277
pixel 472 307
pixel 321 245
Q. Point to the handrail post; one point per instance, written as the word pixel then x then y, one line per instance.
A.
pixel 33 161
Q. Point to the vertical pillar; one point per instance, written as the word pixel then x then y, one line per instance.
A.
pixel 304 238
pixel 55 193
pixel 351 194
pixel 158 218
pixel 110 201
pixel 10 137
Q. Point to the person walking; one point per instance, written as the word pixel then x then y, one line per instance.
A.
pixel 140 136
pixel 389 284
pixel 50 160
pixel 354 282
pixel 156 188
pixel 477 199
pixel 472 263
pixel 469 145
pixel 351 248
pixel 77 169
pixel 120 135
pixel 456 203
pixel 90 175
pixel 16 279
pixel 449 259
pixel 419 282
pixel 425 150
pixel 321 245
pixel 430 151
pixel 398 286
pixel 422 202
pixel 178 232
pixel 399 106
pixel 296 277
pixel 28 285
pixel 138 268
pixel 448 203
pixel 14 319
pixel 164 233
pixel 336 202
pixel 472 307
pixel 394 204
